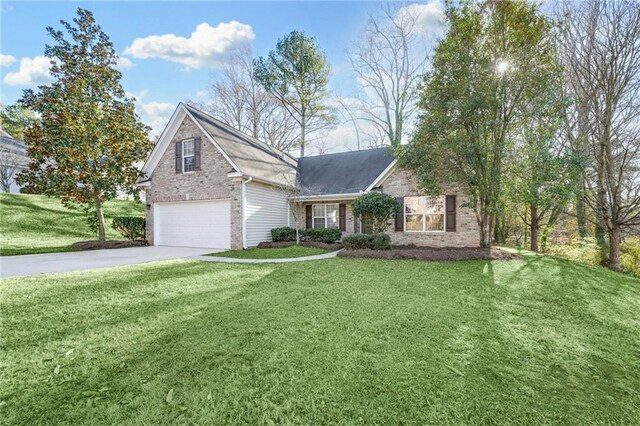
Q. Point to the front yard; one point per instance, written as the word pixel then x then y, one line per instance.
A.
pixel 530 341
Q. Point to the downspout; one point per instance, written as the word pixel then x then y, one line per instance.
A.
pixel 244 212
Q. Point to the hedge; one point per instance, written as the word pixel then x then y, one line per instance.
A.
pixel 367 241
pixel 131 227
pixel 318 235
pixel 283 234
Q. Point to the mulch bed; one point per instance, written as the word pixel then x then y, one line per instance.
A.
pixel 432 253
pixel 99 245
pixel 269 244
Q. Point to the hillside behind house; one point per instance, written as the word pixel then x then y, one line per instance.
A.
pixel 38 224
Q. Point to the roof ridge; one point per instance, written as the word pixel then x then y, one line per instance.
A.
pixel 273 151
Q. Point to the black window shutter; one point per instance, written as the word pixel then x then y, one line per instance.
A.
pixel 399 217
pixel 196 153
pixel 343 217
pixel 451 213
pixel 309 217
pixel 178 157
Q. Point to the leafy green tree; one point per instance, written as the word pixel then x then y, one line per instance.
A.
pixel 14 119
pixel 375 209
pixel 542 176
pixel 486 71
pixel 88 139
pixel 297 74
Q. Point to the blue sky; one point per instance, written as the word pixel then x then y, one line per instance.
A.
pixel 154 71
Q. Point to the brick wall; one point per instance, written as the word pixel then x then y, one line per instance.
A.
pixel 402 183
pixel 209 183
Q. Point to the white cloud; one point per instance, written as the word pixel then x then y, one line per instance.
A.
pixel 429 16
pixel 124 63
pixel 201 94
pixel 7 60
pixel 158 108
pixel 31 72
pixel 154 114
pixel 207 46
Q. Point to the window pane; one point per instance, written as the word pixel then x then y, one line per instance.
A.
pixel 318 210
pixel 434 205
pixel 332 215
pixel 187 148
pixel 435 222
pixel 318 222
pixel 414 223
pixel 412 205
pixel 189 164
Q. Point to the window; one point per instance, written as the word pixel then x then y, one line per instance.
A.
pixel 424 214
pixel 188 156
pixel 325 215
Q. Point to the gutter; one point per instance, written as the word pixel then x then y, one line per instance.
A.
pixel 244 211
pixel 328 197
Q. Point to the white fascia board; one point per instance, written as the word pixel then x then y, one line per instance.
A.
pixel 165 138
pixel 385 173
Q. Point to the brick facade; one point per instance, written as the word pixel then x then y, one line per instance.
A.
pixel 209 183
pixel 212 183
pixel 402 183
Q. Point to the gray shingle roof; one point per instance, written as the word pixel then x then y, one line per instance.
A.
pixel 253 157
pixel 14 146
pixel 342 173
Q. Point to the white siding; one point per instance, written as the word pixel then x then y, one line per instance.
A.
pixel 265 208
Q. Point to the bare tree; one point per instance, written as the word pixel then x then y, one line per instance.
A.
pixel 390 59
pixel 240 101
pixel 11 162
pixel 602 49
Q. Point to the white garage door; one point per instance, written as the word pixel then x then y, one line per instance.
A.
pixel 193 224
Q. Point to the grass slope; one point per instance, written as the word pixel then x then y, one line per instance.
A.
pixel 38 224
pixel 272 253
pixel 339 341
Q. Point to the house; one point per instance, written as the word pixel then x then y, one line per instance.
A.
pixel 13 158
pixel 210 185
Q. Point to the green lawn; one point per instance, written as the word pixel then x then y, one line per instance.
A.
pixel 338 341
pixel 272 253
pixel 32 224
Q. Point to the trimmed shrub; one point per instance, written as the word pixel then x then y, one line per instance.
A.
pixel 320 235
pixel 283 234
pixel 131 227
pixel 375 209
pixel 367 241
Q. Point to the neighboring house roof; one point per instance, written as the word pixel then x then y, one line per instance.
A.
pixel 14 146
pixel 344 172
pixel 5 133
pixel 253 157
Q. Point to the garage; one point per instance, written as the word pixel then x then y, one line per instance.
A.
pixel 204 224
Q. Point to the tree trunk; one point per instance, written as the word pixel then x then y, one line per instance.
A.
pixel 100 219
pixel 614 249
pixel 581 212
pixel 534 228
pixel 303 130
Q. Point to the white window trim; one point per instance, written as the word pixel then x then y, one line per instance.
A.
pixel 313 215
pixel 424 222
pixel 192 155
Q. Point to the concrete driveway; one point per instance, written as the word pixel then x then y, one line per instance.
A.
pixel 34 264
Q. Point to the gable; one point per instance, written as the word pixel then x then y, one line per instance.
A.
pixel 244 154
